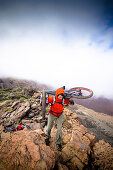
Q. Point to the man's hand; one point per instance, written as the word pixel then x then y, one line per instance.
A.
pixel 71 102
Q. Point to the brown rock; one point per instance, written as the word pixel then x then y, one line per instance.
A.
pixel 103 155
pixel 26 149
pixel 75 152
pixel 72 150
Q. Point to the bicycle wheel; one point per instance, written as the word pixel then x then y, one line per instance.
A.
pixel 81 93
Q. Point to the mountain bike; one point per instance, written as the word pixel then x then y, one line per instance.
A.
pixel 76 92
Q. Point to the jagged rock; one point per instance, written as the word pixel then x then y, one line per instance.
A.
pixel 76 151
pixel 103 155
pixel 78 148
pixel 21 112
pixel 29 150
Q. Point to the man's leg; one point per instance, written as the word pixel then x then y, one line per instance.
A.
pixel 51 119
pixel 59 130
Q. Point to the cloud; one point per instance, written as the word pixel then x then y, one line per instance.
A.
pixel 58 45
pixel 49 61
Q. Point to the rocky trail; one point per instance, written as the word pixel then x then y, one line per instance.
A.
pixel 26 149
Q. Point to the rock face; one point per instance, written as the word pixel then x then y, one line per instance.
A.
pixel 26 149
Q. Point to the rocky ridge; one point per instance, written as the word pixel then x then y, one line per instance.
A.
pixel 27 148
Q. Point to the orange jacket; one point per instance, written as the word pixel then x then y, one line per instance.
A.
pixel 57 108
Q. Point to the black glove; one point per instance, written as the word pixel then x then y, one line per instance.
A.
pixel 71 102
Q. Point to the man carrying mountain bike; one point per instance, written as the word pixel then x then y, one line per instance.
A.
pixel 56 113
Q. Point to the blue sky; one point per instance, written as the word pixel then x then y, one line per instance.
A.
pixel 58 42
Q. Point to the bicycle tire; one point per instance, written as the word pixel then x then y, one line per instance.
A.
pixel 82 97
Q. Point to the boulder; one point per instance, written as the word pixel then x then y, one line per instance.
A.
pixel 26 149
pixel 20 112
pixel 78 142
pixel 103 153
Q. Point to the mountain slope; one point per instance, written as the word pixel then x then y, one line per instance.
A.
pixel 12 82
pixel 100 104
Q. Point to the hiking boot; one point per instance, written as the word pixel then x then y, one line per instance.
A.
pixel 47 141
pixel 59 147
